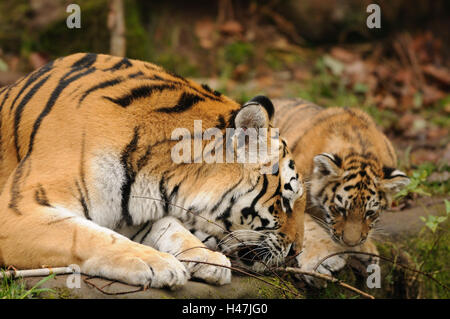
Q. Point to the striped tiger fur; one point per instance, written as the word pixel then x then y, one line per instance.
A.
pixel 86 175
pixel 349 167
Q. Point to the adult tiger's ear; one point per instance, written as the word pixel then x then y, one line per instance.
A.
pixel 327 165
pixel 256 113
pixel 393 180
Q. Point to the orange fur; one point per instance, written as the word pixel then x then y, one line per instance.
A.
pixel 349 168
pixel 85 133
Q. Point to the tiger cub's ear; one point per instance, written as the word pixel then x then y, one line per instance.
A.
pixel 256 113
pixel 327 165
pixel 393 180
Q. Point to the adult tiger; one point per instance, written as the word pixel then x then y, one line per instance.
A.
pixel 85 137
pixel 349 167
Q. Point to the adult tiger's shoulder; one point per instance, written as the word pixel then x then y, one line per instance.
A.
pixel 86 157
pixel 350 170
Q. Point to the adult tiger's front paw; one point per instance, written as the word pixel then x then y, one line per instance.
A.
pixel 140 267
pixel 206 268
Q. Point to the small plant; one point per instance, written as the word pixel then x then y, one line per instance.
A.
pixel 418 179
pixel 16 289
pixel 432 222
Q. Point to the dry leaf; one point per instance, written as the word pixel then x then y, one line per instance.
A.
pixel 231 28
pixel 204 30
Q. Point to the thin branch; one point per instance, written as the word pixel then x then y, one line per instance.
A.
pixel 86 280
pixel 35 272
pixel 325 277
pixel 242 272
pixel 383 258
pixel 214 223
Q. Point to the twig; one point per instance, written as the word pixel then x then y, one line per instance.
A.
pixel 242 272
pixel 214 223
pixel 383 258
pixel 325 277
pixel 86 280
pixel 36 272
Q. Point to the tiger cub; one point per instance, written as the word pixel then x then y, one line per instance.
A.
pixel 87 175
pixel 349 167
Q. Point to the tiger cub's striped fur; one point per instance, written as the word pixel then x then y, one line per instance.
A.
pixel 350 172
pixel 85 158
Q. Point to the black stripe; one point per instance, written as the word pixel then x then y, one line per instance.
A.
pixel 40 196
pixel 136 74
pixel 251 210
pixel 99 86
pixel 144 159
pixel 15 191
pixel 18 113
pixel 225 195
pixel 5 97
pixel 351 176
pixel 140 92
pixel 121 65
pixel 140 230
pixel 82 200
pixel 287 205
pixel 130 175
pixel 86 61
pixel 207 88
pixel 163 191
pixel 278 190
pixel 207 238
pixel 64 82
pixel 185 102
pixel 145 236
pixel 362 119
pixel 82 173
pixel 222 124
pixel 33 77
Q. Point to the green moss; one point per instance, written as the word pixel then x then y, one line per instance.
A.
pixel 266 291
pixel 60 293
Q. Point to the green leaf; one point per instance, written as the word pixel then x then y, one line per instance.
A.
pixel 35 289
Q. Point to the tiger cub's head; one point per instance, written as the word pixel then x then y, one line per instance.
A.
pixel 351 192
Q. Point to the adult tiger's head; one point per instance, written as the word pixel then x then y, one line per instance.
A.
pixel 351 191
pixel 254 200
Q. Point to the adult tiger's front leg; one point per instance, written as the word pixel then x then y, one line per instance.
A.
pixel 169 235
pixel 42 235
